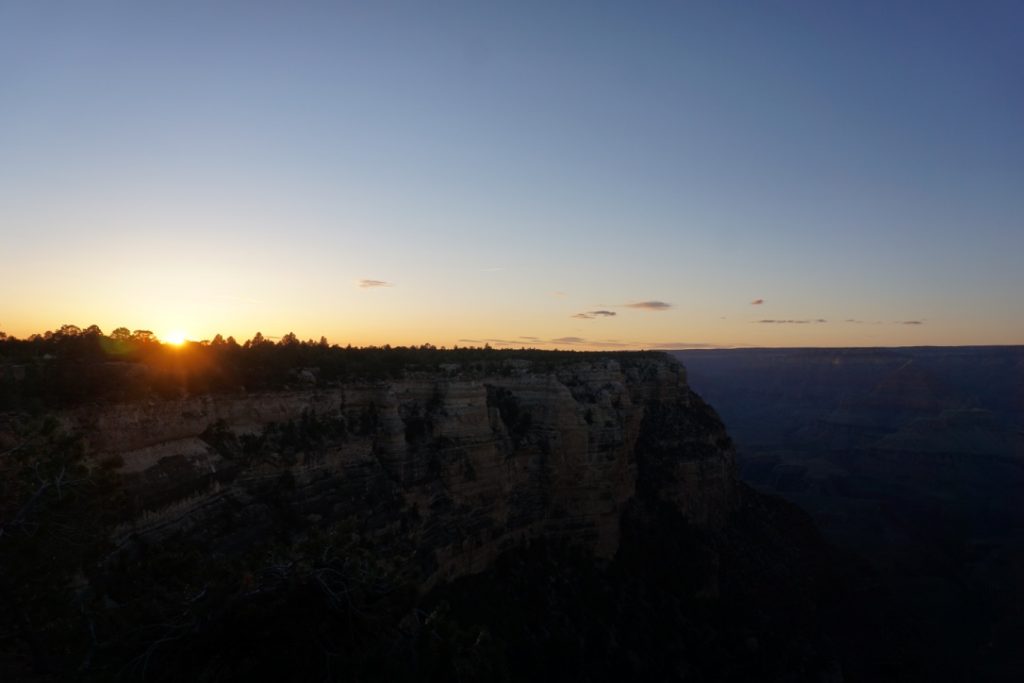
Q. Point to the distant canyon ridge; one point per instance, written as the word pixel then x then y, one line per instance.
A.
pixel 910 458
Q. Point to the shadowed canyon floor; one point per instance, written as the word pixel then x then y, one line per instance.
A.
pixel 911 459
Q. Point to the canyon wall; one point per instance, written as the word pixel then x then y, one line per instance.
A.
pixel 447 469
pixel 505 518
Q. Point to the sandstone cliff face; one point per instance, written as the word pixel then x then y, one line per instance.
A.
pixel 448 470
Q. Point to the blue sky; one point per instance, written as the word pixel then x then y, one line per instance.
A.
pixel 237 167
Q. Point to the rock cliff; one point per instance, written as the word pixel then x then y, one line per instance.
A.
pixel 449 470
pixel 557 516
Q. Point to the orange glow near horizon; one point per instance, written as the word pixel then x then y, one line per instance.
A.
pixel 175 338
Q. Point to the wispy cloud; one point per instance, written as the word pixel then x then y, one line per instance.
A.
pixel 757 302
pixel 791 322
pixel 681 346
pixel 650 305
pixel 590 315
pixel 491 340
pixel 369 284
pixel 855 321
pixel 609 344
pixel 573 341
pixel 595 343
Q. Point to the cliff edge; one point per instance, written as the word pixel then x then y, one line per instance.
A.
pixel 454 468
pixel 481 521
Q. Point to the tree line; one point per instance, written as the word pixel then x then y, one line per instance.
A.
pixel 74 365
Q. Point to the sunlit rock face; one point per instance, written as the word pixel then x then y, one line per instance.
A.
pixel 448 469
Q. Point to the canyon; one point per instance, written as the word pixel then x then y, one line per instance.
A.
pixel 465 467
pixel 249 527
pixel 911 459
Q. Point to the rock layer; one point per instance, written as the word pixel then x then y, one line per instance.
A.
pixel 449 470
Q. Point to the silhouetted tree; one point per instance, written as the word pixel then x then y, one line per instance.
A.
pixel 62 369
pixel 257 340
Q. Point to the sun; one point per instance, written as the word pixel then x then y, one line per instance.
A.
pixel 176 338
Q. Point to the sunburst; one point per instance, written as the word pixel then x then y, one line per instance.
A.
pixel 176 338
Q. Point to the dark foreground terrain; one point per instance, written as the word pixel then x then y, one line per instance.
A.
pixel 911 459
pixel 304 512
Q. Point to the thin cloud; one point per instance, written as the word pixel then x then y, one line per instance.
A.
pixel 682 346
pixel 369 284
pixel 650 305
pixel 757 302
pixel 598 343
pixel 855 321
pixel 610 344
pixel 583 342
pixel 791 322
pixel 491 340
pixel 590 315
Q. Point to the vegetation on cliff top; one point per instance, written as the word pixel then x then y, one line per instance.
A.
pixel 72 366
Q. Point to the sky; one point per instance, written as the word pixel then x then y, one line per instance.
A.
pixel 550 174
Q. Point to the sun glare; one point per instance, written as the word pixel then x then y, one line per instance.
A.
pixel 177 338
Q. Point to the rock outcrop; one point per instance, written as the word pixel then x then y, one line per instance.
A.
pixel 451 470
pixel 558 517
